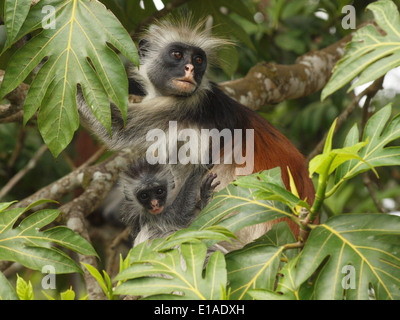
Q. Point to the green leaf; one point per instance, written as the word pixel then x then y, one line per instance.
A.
pixel 237 207
pixel 48 297
pixel 166 276
pixel 7 292
pixel 77 52
pixel 321 162
pixel 367 243
pixel 375 153
pixel 285 289
pixel 264 294
pixel 15 12
pixel 109 283
pixel 268 185
pixel 96 274
pixel 5 205
pixel 68 294
pixel 279 235
pixel 190 235
pixel 369 55
pixel 329 162
pixel 254 266
pixel 24 290
pixel 32 248
pixel 65 237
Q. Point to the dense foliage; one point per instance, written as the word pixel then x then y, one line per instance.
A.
pixel 354 253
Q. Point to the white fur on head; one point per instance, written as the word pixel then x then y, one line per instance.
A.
pixel 171 30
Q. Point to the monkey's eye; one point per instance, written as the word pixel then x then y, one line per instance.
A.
pixel 198 60
pixel 177 55
pixel 144 196
pixel 160 191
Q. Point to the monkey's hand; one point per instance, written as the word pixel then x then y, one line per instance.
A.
pixel 207 189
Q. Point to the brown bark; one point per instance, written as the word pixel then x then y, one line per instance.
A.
pixel 269 83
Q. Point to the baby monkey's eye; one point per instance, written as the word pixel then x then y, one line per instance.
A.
pixel 144 196
pixel 177 54
pixel 160 191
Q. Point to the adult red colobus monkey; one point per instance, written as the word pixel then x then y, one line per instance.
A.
pixel 174 60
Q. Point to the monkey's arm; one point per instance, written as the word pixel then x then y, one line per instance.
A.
pixel 90 122
pixel 185 203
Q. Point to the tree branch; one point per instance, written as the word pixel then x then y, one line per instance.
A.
pixel 268 83
pixel 82 176
pixel 104 177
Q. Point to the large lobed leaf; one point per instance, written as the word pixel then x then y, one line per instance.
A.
pixel 7 292
pixel 256 265
pixel 32 248
pixel 247 203
pixel 77 51
pixel 285 287
pixel 369 243
pixel 174 274
pixel 370 54
pixel 15 12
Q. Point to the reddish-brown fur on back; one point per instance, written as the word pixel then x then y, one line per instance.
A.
pixel 273 149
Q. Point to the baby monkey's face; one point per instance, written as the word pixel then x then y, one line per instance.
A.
pixel 153 199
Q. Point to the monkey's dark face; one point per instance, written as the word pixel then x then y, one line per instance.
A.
pixel 153 199
pixel 180 70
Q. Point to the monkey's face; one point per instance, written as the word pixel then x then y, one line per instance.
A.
pixel 179 71
pixel 153 199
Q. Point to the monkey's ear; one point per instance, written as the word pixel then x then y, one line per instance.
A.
pixel 144 46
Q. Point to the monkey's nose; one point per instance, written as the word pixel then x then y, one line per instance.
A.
pixel 189 68
pixel 154 204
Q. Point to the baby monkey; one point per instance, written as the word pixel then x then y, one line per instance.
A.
pixel 153 208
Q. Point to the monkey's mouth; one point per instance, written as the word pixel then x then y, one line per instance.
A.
pixel 185 84
pixel 157 210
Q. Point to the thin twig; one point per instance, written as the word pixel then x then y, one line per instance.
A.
pixel 16 117
pixel 31 164
pixel 297 245
pixel 370 91
pixel 111 250
pixel 18 147
pixel 94 158
pixel 368 183
pixel 377 85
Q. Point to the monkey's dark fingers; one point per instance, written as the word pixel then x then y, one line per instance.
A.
pixel 210 178
pixel 215 185
pixel 206 184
